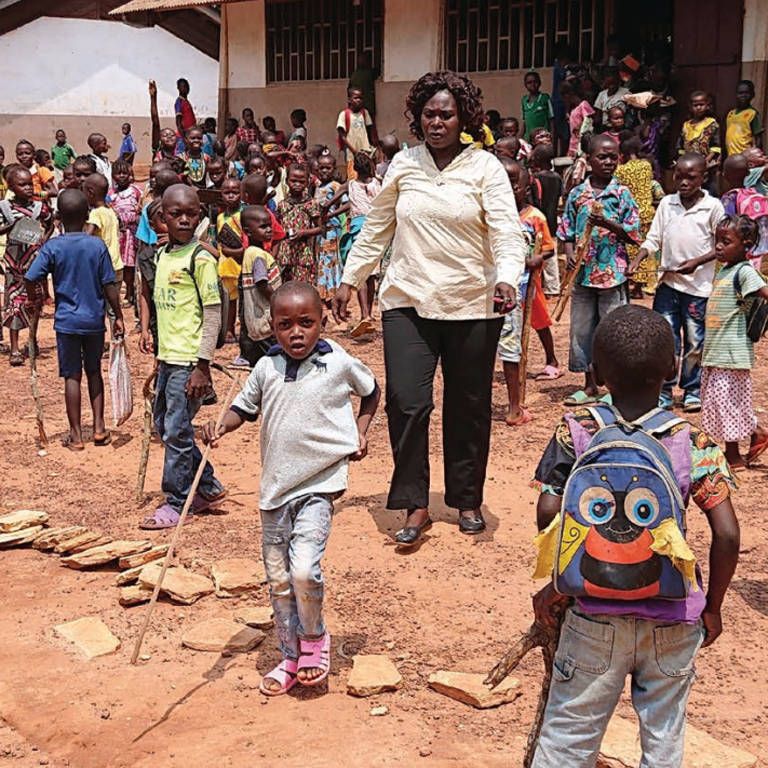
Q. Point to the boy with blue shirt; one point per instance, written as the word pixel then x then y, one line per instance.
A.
pixel 82 277
pixel 621 622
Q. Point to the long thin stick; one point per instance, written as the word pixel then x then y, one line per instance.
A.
pixel 33 323
pixel 177 532
pixel 570 277
pixel 147 436
pixel 525 332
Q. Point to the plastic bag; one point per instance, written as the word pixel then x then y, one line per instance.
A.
pixel 120 382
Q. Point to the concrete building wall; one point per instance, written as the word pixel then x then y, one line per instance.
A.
pixel 86 75
pixel 754 53
pixel 412 47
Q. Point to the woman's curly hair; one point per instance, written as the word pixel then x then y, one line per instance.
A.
pixel 469 100
pixel 745 228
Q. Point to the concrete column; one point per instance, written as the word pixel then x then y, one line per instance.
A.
pixel 754 51
pixel 412 39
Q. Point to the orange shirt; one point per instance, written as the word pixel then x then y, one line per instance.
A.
pixel 40 178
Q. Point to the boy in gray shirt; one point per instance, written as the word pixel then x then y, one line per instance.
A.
pixel 308 435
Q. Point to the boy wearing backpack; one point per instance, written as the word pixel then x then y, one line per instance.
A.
pixel 188 303
pixel 355 130
pixel 615 481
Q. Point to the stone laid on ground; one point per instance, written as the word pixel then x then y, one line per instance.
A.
pixel 106 553
pixel 134 594
pixel 17 538
pixel 100 542
pixel 90 635
pixel 86 538
pixel 142 558
pixel 372 674
pixel 126 577
pixel 179 584
pixel 49 538
pixel 22 518
pixel 219 635
pixel 469 689
pixel 621 749
pixel 261 617
pixel 236 575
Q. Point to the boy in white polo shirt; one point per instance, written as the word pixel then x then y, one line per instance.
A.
pixel 684 230
pixel 308 435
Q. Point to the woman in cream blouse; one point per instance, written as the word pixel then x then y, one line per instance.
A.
pixel 458 253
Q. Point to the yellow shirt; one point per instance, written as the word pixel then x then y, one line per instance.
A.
pixel 487 140
pixel 455 233
pixel 108 229
pixel 740 128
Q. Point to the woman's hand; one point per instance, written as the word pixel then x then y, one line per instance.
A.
pixel 339 303
pixel 504 298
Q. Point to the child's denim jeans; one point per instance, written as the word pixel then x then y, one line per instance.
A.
pixel 173 420
pixel 594 656
pixel 293 544
pixel 685 314
pixel 588 307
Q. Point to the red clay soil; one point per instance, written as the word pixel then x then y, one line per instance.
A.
pixel 454 603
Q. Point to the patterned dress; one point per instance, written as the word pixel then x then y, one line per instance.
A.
pixel 18 257
pixel 125 203
pixel 296 258
pixel 637 176
pixel 328 261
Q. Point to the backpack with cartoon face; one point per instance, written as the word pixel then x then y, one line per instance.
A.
pixel 622 522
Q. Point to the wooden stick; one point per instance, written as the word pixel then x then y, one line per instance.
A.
pixel 525 332
pixel 537 636
pixel 33 323
pixel 147 436
pixel 177 531
pixel 570 277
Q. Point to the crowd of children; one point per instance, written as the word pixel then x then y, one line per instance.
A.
pixel 252 230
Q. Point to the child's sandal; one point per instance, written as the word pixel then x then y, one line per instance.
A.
pixel 315 654
pixel 284 674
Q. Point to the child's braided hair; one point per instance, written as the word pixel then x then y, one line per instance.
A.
pixel 743 226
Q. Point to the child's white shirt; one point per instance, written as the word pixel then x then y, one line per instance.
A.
pixel 683 234
pixel 308 428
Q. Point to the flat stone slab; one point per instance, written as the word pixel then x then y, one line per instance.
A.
pixel 90 635
pixel 372 674
pixel 219 635
pixel 134 595
pixel 179 584
pixel 23 536
pixel 142 558
pixel 22 518
pixel 49 538
pixel 621 749
pixel 90 544
pixel 126 577
pixel 468 688
pixel 105 553
pixel 261 617
pixel 236 575
pixel 86 538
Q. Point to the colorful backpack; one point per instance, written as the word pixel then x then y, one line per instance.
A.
pixel 622 521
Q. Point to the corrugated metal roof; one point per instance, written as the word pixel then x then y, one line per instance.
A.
pixel 135 6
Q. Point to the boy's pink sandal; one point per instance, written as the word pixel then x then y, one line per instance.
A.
pixel 284 674
pixel 315 654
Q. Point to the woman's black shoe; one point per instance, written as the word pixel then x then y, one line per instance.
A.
pixel 472 523
pixel 412 533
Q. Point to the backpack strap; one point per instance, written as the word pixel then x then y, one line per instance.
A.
pixel 191 269
pixel 6 210
pixel 603 416
pixel 658 421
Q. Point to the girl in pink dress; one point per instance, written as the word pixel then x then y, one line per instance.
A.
pixel 124 198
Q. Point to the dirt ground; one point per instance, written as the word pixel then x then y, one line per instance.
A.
pixel 454 603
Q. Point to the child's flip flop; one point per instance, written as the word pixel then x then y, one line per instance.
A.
pixel 164 517
pixel 70 444
pixel 102 440
pixel 524 417
pixel 284 674
pixel 549 373
pixel 315 654
pixel 757 450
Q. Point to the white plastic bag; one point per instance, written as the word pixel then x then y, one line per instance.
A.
pixel 120 382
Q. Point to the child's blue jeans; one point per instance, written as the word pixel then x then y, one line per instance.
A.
pixel 685 314
pixel 293 540
pixel 594 656
pixel 173 420
pixel 588 307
